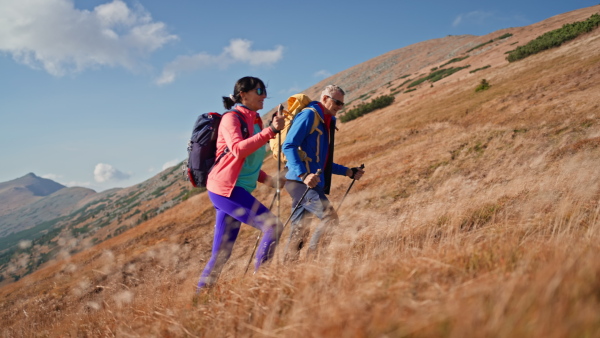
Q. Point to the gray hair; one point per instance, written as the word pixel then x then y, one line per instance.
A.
pixel 331 89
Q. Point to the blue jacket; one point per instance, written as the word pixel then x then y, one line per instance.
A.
pixel 316 146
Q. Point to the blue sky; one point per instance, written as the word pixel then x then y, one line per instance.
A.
pixel 104 93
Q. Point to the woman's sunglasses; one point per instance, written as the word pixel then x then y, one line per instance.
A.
pixel 261 91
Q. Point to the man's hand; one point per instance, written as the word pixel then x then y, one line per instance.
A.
pixel 311 180
pixel 355 173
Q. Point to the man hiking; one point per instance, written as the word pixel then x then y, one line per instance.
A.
pixel 306 152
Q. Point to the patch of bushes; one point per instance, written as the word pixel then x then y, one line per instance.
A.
pixel 483 85
pixel 410 90
pixel 78 231
pixel 159 191
pixel 365 108
pixel 449 62
pixel 38 232
pixel 554 38
pixel 478 69
pixel 395 89
pixel 504 36
pixel 149 214
pixel 437 75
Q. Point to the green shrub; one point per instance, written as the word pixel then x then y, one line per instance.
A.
pixel 484 85
pixel 437 75
pixel 410 90
pixel 451 61
pixel 478 69
pixel 504 36
pixel 365 108
pixel 554 38
pixel 400 85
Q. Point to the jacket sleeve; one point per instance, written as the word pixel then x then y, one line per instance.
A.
pixel 338 169
pixel 295 136
pixel 262 176
pixel 231 129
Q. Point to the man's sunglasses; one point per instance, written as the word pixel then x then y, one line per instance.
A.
pixel 338 102
pixel 261 91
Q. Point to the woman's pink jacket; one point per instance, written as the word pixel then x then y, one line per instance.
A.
pixel 224 174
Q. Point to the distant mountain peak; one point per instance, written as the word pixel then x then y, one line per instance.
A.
pixel 38 186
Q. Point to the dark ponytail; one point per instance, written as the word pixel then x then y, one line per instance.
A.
pixel 244 84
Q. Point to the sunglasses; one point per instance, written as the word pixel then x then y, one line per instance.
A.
pixel 338 102
pixel 261 91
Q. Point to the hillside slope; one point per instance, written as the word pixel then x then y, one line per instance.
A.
pixel 24 190
pixel 57 204
pixel 478 215
pixel 74 219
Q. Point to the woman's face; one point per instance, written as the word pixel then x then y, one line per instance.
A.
pixel 254 98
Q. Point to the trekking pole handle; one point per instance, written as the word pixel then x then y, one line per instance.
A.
pixel 362 166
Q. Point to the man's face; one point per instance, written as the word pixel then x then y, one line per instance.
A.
pixel 333 103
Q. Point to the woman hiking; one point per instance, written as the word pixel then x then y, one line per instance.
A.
pixel 234 177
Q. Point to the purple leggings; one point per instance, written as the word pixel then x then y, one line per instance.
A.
pixel 240 207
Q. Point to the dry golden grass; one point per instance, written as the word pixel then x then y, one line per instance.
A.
pixel 479 216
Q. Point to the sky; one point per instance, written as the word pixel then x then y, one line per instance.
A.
pixel 104 93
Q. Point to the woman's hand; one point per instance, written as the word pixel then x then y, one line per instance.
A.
pixel 278 121
pixel 271 181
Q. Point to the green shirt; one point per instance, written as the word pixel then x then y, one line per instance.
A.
pixel 251 168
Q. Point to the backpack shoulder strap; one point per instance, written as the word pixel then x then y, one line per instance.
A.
pixel 245 132
pixel 316 120
pixel 244 126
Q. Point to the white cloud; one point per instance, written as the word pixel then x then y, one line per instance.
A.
pixel 106 172
pixel 55 36
pixel 78 184
pixel 238 51
pixel 170 164
pixel 475 17
pixel 322 74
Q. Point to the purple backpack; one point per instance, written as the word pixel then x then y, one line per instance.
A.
pixel 202 146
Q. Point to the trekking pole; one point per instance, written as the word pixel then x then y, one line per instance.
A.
pixel 277 192
pixel 300 201
pixel 279 110
pixel 362 166
pixel 258 238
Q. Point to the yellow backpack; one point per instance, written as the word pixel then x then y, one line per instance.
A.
pixel 296 103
